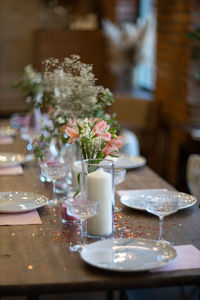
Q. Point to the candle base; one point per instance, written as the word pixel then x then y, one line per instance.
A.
pixel 66 219
pixel 92 236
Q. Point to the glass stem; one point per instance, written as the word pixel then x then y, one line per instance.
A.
pixel 160 228
pixel 114 198
pixel 82 232
pixel 54 187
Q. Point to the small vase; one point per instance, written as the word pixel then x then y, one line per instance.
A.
pixel 98 185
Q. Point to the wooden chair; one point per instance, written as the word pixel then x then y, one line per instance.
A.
pixel 131 146
pixel 139 116
pixel 193 175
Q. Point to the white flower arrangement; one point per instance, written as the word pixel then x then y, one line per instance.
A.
pixel 71 85
pixel 70 92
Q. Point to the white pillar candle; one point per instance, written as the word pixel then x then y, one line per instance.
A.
pixel 99 188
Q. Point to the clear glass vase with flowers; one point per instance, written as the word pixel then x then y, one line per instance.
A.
pixel 70 91
pixel 97 140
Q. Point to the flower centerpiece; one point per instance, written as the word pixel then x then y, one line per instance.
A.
pixel 31 85
pixel 72 94
pixel 97 140
pixel 95 136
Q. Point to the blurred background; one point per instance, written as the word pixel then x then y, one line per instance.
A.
pixel 147 52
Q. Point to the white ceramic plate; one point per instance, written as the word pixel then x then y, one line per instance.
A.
pixel 128 255
pixel 137 198
pixel 10 159
pixel 129 162
pixel 17 202
pixel 7 131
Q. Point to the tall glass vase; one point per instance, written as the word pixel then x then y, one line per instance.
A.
pixel 98 186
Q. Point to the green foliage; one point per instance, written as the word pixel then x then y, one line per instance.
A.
pixel 41 147
pixel 31 85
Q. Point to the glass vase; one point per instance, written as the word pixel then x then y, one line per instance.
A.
pixel 98 185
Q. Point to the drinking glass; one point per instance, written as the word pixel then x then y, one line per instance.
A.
pixel 66 219
pixel 119 177
pixel 161 206
pixel 82 209
pixel 53 171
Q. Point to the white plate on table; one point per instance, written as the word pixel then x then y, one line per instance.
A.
pixel 8 159
pixel 7 131
pixel 137 198
pixel 17 202
pixel 128 255
pixel 129 162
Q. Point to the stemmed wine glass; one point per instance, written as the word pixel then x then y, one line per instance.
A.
pixel 119 177
pixel 82 209
pixel 29 134
pixel 53 171
pixel 161 206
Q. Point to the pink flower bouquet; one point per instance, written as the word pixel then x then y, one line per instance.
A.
pixel 95 136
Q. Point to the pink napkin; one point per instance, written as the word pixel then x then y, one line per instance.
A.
pixel 30 217
pixel 13 170
pixel 188 257
pixel 6 140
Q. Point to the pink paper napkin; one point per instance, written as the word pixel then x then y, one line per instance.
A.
pixel 30 217
pixel 6 140
pixel 188 257
pixel 14 170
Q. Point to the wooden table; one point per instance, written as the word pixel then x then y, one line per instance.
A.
pixel 35 259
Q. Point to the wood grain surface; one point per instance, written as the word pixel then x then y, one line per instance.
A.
pixel 36 258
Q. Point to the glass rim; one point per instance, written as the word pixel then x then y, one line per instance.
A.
pixel 119 169
pixel 162 197
pixel 52 163
pixel 98 159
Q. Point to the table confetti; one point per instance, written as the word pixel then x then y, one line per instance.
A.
pixel 125 226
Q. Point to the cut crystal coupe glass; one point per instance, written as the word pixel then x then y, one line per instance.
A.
pixel 53 171
pixel 82 209
pixel 161 206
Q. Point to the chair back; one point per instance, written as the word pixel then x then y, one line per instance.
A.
pixel 131 145
pixel 193 175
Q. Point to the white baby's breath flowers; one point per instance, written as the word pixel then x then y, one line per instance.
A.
pixel 71 84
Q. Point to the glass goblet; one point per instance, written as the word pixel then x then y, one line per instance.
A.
pixel 82 209
pixel 119 177
pixel 53 171
pixel 161 206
